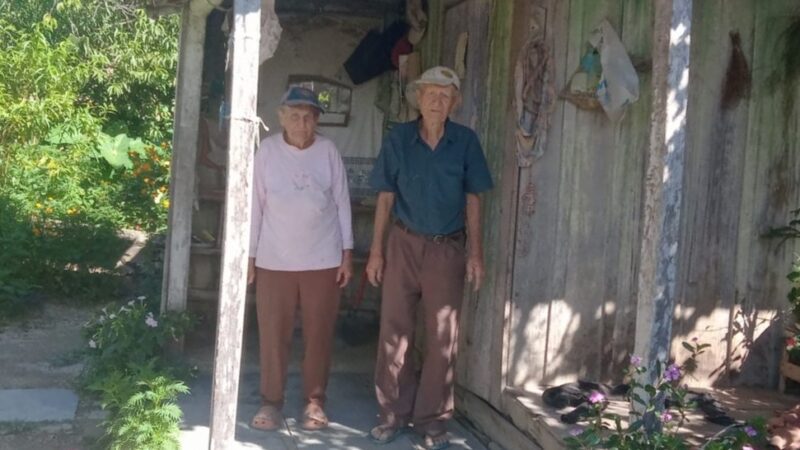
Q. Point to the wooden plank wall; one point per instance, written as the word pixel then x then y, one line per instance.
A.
pixel 569 309
pixel 575 256
pixel 743 176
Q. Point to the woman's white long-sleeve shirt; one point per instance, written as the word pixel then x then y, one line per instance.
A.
pixel 301 206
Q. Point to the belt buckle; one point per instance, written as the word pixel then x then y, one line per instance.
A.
pixel 438 238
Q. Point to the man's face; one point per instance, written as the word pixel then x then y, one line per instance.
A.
pixel 299 123
pixel 436 102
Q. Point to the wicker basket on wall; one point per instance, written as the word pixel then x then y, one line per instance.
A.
pixel 586 100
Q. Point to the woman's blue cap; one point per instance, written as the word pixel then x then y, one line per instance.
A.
pixel 297 95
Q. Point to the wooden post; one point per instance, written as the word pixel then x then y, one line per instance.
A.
pixel 664 181
pixel 184 153
pixel 238 197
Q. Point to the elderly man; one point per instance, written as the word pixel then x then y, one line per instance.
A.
pixel 429 172
pixel 300 254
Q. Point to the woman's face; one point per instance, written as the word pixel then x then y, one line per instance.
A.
pixel 299 124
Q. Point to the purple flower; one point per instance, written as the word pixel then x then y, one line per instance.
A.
pixel 596 397
pixel 576 431
pixel 750 431
pixel 666 416
pixel 636 361
pixel 695 339
pixel 747 447
pixel 673 373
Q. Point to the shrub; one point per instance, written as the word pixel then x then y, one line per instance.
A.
pixel 135 380
pixel 86 104
pixel 653 426
pixel 129 337
pixel 143 410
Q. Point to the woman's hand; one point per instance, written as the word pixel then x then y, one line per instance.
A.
pixel 345 272
pixel 251 270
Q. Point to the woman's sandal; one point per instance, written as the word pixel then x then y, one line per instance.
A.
pixel 314 418
pixel 437 441
pixel 268 418
pixel 385 433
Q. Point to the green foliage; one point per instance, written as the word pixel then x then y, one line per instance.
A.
pixel 131 336
pixel 143 413
pixel 86 100
pixel 793 340
pixel 105 56
pixel 786 232
pixel 65 257
pixel 128 369
pixel 653 426
pixel 40 82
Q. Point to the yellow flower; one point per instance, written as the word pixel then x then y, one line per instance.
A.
pixel 49 210
pixel 38 205
pixel 165 203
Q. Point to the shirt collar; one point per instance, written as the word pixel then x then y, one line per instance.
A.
pixel 449 134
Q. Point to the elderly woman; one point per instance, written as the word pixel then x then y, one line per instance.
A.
pixel 300 254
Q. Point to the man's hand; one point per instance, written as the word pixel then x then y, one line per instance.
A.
pixel 345 272
pixel 251 270
pixel 475 271
pixel 375 269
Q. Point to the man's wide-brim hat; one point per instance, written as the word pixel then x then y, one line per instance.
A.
pixel 300 96
pixel 439 76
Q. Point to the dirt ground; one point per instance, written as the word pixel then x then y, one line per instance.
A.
pixel 42 352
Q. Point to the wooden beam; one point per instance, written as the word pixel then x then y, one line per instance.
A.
pixel 184 154
pixel 495 296
pixel 242 142
pixel 664 180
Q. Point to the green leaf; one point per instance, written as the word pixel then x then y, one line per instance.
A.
pixel 60 135
pixel 115 150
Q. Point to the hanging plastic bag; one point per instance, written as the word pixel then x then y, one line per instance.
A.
pixel 619 83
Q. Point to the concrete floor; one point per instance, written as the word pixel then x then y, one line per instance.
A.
pixel 351 404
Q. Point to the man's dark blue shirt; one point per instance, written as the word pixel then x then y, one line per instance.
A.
pixel 430 186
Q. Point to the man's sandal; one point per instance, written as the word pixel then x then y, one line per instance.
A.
pixel 314 418
pixel 268 418
pixel 438 441
pixel 385 433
